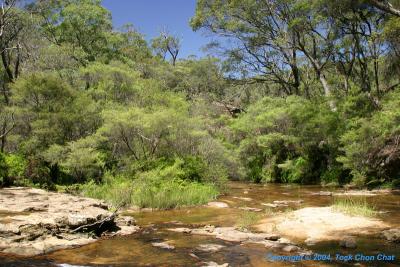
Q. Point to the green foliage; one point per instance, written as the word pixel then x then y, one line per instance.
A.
pixel 370 144
pixel 161 188
pixel 302 94
pixel 80 159
pixel 3 170
pixel 16 165
pixel 116 190
pixel 288 140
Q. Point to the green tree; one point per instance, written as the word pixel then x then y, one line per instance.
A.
pixel 84 26
pixel 167 43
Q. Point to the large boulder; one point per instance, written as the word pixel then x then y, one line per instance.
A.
pixel 34 221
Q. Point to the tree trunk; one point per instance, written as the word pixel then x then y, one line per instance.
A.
pixel 327 91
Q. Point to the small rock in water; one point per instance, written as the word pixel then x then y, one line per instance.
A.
pixel 218 204
pixel 210 247
pixel 290 248
pixel 272 237
pixel 250 209
pixel 287 202
pixel 272 205
pixel 214 264
pixel 194 256
pixel 310 241
pixel 162 245
pixel 246 192
pixel 392 235
pixel 124 221
pixel 283 240
pixel 69 265
pixel 348 242
pixel 322 193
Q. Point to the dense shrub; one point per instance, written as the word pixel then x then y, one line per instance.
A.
pixel 3 170
pixel 287 140
pixel 371 145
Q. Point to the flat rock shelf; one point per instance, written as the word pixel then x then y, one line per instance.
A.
pixel 34 221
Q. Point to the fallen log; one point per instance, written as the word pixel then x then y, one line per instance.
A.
pixel 96 226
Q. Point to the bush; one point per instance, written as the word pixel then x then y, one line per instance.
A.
pixel 17 166
pixel 370 145
pixel 287 140
pixel 3 170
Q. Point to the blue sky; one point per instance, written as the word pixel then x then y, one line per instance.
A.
pixel 150 16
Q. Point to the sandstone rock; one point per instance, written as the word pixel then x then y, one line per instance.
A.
pixel 37 221
pixel 290 248
pixel 164 245
pixel 322 193
pixel 392 235
pixel 214 264
pixel 127 230
pixel 310 241
pixel 216 204
pixel 75 220
pixel 181 230
pixel 287 202
pixel 210 247
pixel 272 205
pixel 250 209
pixel 229 234
pixel 194 256
pixel 348 242
pixel 125 221
pixel 319 223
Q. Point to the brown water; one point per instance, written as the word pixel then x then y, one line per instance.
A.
pixel 136 250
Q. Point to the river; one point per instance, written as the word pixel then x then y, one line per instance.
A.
pixel 137 249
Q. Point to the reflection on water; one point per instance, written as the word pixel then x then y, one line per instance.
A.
pixel 136 250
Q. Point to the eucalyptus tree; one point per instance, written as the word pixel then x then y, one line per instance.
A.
pixel 84 26
pixel 167 43
pixel 261 37
pixel 15 36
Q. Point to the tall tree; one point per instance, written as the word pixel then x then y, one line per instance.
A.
pixel 13 43
pixel 261 34
pixel 167 43
pixel 83 25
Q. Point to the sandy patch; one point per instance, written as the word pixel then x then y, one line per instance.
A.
pixel 319 224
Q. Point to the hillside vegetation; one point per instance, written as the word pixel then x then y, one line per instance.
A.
pixel 301 92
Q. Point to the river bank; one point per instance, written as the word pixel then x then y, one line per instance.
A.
pixel 35 221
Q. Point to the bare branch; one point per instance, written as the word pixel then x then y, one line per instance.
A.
pixel 385 6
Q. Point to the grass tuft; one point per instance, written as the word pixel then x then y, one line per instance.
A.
pixel 354 206
pixel 165 194
pixel 247 219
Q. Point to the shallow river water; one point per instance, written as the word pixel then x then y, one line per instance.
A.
pixel 137 250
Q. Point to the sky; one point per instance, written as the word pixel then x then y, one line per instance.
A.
pixel 151 16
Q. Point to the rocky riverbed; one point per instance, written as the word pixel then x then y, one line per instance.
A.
pixel 34 221
pixel 239 229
